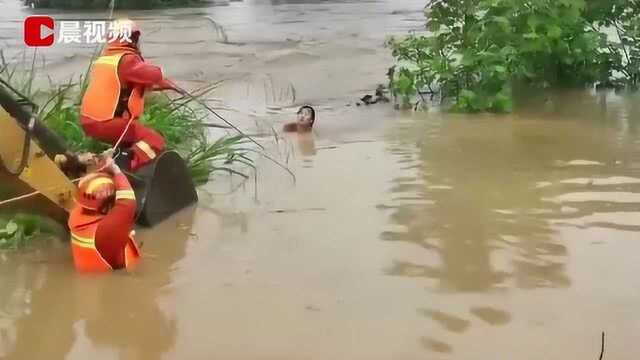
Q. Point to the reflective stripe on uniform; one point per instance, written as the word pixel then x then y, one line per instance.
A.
pixel 125 194
pixel 83 242
pixel 86 258
pixel 146 149
pixel 112 60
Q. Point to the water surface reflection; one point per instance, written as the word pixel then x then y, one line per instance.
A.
pixel 117 315
pixel 487 199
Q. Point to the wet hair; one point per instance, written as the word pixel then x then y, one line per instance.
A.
pixel 313 112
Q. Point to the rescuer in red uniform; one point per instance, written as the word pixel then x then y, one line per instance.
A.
pixel 102 222
pixel 115 95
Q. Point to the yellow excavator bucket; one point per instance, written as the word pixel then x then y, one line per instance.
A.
pixel 40 173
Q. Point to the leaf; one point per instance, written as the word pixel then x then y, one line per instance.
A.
pixel 468 96
pixel 501 103
pixel 468 59
pixel 533 22
pixel 554 31
pixel 501 20
pixel 11 228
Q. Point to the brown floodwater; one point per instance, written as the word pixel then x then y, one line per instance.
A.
pixel 403 235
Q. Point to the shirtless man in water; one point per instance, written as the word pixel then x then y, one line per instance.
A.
pixel 305 120
pixel 303 126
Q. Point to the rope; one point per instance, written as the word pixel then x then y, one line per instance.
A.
pixel 207 107
pixel 113 148
pixel 112 5
pixel 124 132
pixel 31 194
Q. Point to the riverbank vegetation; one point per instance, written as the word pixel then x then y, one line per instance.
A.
pixel 182 122
pixel 104 4
pixel 473 52
pixel 18 231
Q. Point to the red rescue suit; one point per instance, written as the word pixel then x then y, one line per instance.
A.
pixel 102 242
pixel 115 95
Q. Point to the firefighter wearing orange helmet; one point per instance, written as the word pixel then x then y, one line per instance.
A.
pixel 102 222
pixel 114 98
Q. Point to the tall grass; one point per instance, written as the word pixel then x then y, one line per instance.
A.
pixel 180 120
pixel 61 117
pixel 206 158
pixel 18 231
pixel 184 128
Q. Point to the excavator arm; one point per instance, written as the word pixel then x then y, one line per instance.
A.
pixel 27 150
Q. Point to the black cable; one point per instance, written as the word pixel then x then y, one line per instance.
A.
pixel 186 93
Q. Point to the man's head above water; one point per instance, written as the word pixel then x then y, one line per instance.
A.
pixel 306 117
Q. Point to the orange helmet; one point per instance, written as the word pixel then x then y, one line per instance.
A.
pixel 94 190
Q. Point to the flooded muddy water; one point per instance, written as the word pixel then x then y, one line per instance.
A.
pixel 403 235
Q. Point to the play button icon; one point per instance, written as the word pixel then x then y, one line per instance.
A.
pixel 39 31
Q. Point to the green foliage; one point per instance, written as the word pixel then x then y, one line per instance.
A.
pixel 184 130
pixel 206 158
pixel 474 50
pixel 63 119
pixel 182 123
pixel 21 73
pixel 622 18
pixel 23 230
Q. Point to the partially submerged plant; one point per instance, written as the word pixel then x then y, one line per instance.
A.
pixel 473 51
pixel 22 230
pixel 206 158
pixel 185 131
pixel 181 122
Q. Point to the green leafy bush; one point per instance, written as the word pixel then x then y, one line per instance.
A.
pixel 622 18
pixel 21 230
pixel 474 50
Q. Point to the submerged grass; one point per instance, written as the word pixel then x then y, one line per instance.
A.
pixel 206 158
pixel 185 130
pixel 18 231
